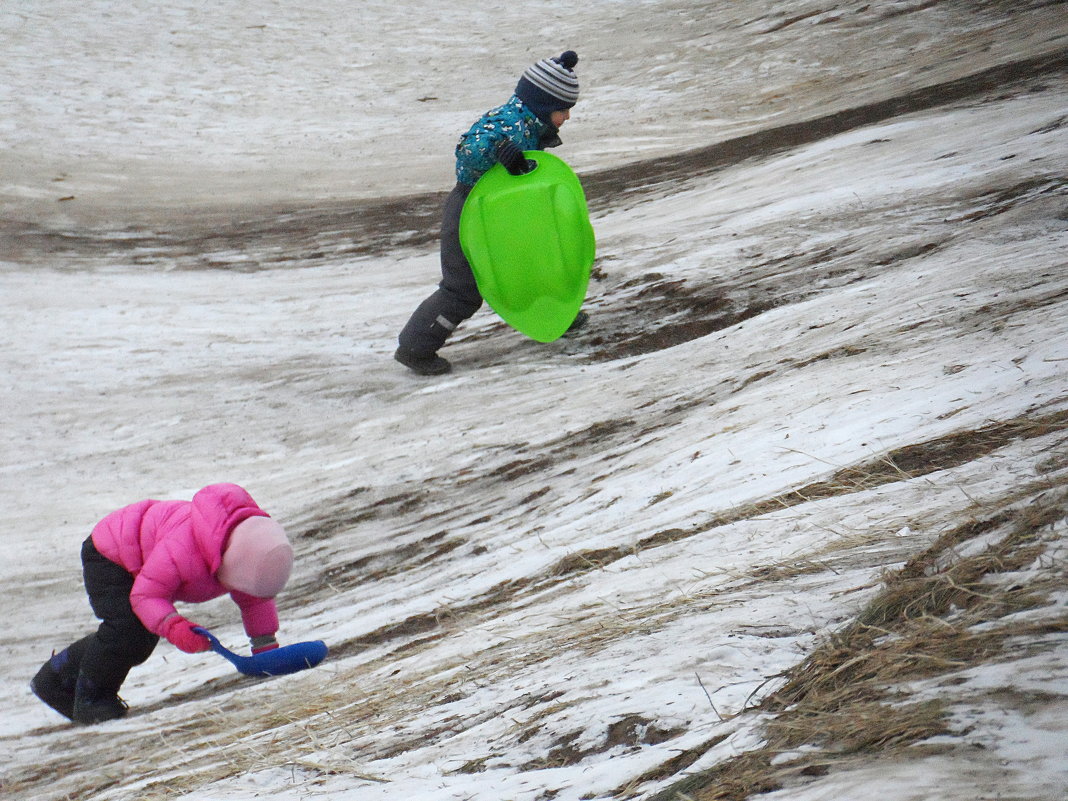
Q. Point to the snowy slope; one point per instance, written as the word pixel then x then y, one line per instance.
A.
pixel 573 570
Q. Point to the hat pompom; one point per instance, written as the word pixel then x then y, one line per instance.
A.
pixel 568 59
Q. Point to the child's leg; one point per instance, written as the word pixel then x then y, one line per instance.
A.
pixel 121 641
pixel 457 296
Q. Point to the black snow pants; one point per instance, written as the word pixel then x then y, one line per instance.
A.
pixel 457 296
pixel 121 641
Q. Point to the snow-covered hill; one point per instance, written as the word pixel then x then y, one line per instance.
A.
pixel 789 518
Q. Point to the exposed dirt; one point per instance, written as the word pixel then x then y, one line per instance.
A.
pixel 277 236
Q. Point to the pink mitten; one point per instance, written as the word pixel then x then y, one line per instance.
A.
pixel 180 632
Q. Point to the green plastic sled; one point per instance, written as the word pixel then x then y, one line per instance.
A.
pixel 530 244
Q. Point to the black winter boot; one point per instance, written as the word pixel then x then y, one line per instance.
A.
pixel 94 704
pixel 577 324
pixel 424 365
pixel 53 687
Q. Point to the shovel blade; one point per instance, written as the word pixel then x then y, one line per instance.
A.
pixel 286 659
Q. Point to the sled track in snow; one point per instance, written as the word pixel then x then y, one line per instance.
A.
pixel 274 237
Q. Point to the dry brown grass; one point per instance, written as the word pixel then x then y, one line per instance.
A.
pixel 939 614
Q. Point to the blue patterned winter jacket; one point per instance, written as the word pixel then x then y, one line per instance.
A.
pixel 476 151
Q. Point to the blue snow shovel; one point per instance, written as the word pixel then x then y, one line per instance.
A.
pixel 276 662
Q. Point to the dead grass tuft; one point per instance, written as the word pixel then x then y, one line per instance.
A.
pixel 941 613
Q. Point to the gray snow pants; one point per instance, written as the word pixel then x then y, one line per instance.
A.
pixel 457 296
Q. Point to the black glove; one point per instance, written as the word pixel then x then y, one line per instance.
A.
pixel 509 154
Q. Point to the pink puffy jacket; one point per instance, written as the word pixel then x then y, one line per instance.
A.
pixel 174 548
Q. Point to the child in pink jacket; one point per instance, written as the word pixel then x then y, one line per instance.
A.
pixel 142 558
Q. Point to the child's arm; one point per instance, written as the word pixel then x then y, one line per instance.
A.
pixel 151 599
pixel 154 590
pixel 477 152
pixel 478 149
pixel 260 619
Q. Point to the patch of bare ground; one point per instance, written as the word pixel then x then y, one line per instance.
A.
pixel 1000 200
pixel 653 312
pixel 939 614
pixel 629 732
pixel 661 313
pixel 306 236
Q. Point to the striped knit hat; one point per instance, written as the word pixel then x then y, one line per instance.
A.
pixel 550 85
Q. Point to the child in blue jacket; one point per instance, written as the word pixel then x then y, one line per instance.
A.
pixel 530 120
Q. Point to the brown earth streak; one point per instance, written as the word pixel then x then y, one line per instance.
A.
pixel 305 236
